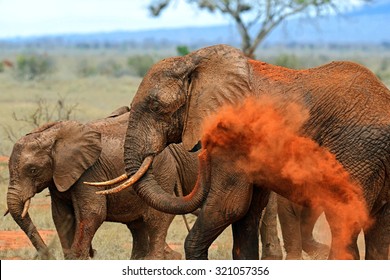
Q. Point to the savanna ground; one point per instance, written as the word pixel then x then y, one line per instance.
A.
pixel 86 84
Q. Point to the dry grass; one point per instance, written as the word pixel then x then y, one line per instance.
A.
pixel 96 96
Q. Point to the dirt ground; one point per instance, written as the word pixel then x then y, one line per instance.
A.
pixel 16 239
pixel 3 159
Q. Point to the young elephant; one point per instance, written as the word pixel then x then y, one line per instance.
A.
pixel 60 156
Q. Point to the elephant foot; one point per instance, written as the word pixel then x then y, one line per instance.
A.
pixel 170 254
pixel 316 250
pixel 294 256
pixel 271 252
pixel 153 257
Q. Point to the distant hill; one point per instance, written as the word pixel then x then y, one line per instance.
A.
pixel 368 25
pixel 380 7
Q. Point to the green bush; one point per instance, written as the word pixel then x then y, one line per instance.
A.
pixel 384 76
pixel 383 72
pixel 110 68
pixel 287 60
pixel 1 67
pixel 29 67
pixel 140 64
pixel 105 68
pixel 182 50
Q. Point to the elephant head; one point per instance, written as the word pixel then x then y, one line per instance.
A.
pixel 172 101
pixel 54 155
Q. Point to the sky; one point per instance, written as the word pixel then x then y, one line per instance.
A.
pixel 42 17
pixel 19 18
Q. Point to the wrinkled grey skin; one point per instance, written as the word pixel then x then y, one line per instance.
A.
pixel 61 156
pixel 297 224
pixel 348 114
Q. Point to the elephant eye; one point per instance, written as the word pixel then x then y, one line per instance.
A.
pixel 154 105
pixel 32 170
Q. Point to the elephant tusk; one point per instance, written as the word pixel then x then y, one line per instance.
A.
pixel 25 209
pixel 108 183
pixel 133 179
pixel 6 212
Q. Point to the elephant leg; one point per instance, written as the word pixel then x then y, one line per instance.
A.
pixel 89 217
pixel 157 224
pixel 246 230
pixel 170 254
pixel 289 214
pixel 85 231
pixel 140 236
pixel 377 237
pixel 338 245
pixel 64 222
pixel 312 247
pixel 271 249
pixel 227 202
pixel 353 247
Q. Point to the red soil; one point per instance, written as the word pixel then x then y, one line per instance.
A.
pixel 14 240
pixel 4 159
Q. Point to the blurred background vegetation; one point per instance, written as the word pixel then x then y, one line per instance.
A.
pixel 83 85
pixel 42 86
pixel 85 78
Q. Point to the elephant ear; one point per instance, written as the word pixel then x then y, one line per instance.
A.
pixel 120 111
pixel 77 147
pixel 220 75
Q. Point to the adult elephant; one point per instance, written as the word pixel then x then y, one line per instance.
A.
pixel 61 155
pixel 348 115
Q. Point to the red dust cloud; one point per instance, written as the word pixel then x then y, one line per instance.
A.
pixel 265 143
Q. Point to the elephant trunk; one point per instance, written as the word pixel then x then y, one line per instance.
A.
pixel 149 190
pixel 17 209
pixel 153 194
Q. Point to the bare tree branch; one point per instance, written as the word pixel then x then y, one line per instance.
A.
pixel 262 15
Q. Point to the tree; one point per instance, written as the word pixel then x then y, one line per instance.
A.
pixel 256 19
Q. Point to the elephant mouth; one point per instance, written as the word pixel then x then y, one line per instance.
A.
pixel 26 207
pixel 24 200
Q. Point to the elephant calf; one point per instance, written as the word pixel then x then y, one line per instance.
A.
pixel 60 156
